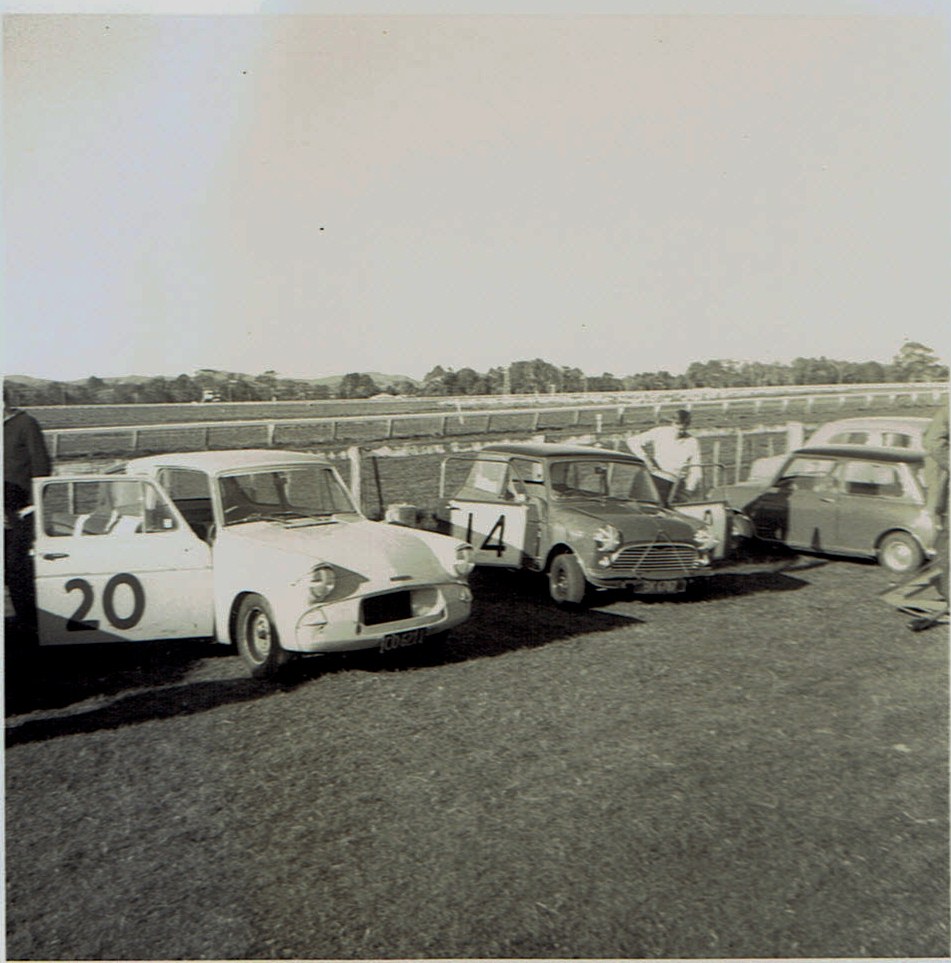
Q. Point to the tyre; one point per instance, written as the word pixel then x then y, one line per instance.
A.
pixel 900 553
pixel 257 638
pixel 566 582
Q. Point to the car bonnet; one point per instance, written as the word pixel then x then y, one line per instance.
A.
pixel 369 548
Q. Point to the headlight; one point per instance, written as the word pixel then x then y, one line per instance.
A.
pixel 607 538
pixel 464 562
pixel 704 539
pixel 323 580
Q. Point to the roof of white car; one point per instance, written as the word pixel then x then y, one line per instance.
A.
pixel 877 421
pixel 214 462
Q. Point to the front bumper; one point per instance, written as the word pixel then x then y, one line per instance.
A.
pixel 342 626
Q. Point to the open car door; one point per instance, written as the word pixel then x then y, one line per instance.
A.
pixel 485 507
pixel 115 561
pixel 716 515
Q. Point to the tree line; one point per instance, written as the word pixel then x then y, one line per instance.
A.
pixel 913 362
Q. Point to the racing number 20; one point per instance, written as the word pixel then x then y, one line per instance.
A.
pixel 78 621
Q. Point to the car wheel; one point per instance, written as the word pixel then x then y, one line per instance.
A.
pixel 566 582
pixel 257 638
pixel 900 553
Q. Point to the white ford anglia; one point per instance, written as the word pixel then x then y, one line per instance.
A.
pixel 262 549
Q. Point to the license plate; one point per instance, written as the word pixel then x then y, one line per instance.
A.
pixel 662 587
pixel 400 640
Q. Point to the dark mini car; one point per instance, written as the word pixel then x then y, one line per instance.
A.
pixel 585 516
pixel 841 500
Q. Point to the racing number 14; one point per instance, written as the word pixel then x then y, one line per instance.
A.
pixel 78 622
pixel 487 544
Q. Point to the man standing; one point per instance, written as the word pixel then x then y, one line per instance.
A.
pixel 671 453
pixel 936 487
pixel 24 458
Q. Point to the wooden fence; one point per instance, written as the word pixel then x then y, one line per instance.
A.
pixel 340 431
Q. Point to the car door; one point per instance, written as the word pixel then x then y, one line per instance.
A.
pixel 486 509
pixel 115 561
pixel 876 496
pixel 799 508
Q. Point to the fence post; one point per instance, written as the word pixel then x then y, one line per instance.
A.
pixel 389 427
pixel 598 422
pixel 54 437
pixel 270 433
pixel 795 435
pixel 207 445
pixel 535 417
pixel 716 461
pixel 442 425
pixel 739 455
pixel 356 482
pixel 135 440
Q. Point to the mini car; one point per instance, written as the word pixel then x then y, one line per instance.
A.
pixel 263 549
pixel 874 430
pixel 587 517
pixel 843 500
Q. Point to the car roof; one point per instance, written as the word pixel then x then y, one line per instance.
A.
pixel 224 460
pixel 877 421
pixel 862 452
pixel 542 449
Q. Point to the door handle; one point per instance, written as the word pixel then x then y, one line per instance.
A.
pixel 52 556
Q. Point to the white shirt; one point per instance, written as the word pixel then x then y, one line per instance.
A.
pixel 672 454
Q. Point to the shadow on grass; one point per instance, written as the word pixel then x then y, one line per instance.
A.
pixel 144 681
pixel 142 706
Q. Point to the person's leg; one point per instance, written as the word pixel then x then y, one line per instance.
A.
pixel 18 575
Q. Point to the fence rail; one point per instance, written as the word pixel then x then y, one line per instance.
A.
pixel 342 430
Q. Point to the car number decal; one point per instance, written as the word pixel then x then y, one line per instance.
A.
pixel 78 621
pixel 487 544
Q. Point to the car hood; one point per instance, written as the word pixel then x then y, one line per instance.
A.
pixel 740 495
pixel 632 521
pixel 361 546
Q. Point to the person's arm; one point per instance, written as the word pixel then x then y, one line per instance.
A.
pixel 40 464
pixel 637 445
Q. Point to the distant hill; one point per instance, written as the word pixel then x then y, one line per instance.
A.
pixel 332 381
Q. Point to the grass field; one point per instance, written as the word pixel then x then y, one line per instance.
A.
pixel 760 770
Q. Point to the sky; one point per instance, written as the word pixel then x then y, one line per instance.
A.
pixel 323 193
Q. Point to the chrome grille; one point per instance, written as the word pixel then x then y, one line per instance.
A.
pixel 660 560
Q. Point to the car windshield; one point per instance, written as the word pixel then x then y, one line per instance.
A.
pixel 588 477
pixel 302 492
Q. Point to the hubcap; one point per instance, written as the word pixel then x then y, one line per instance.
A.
pixel 259 634
pixel 899 555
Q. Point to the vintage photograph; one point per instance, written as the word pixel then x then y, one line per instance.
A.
pixel 476 480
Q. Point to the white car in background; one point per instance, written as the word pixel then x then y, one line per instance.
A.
pixel 872 431
pixel 262 549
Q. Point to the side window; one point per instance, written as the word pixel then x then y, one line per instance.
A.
pixel 809 473
pixel 529 476
pixel 190 490
pixel 115 507
pixel 849 438
pixel 184 484
pixel 486 481
pixel 872 478
pixel 896 439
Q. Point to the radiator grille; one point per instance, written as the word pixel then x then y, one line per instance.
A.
pixel 391 607
pixel 661 560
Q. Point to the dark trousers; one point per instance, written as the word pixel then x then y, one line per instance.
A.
pixel 663 486
pixel 18 575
